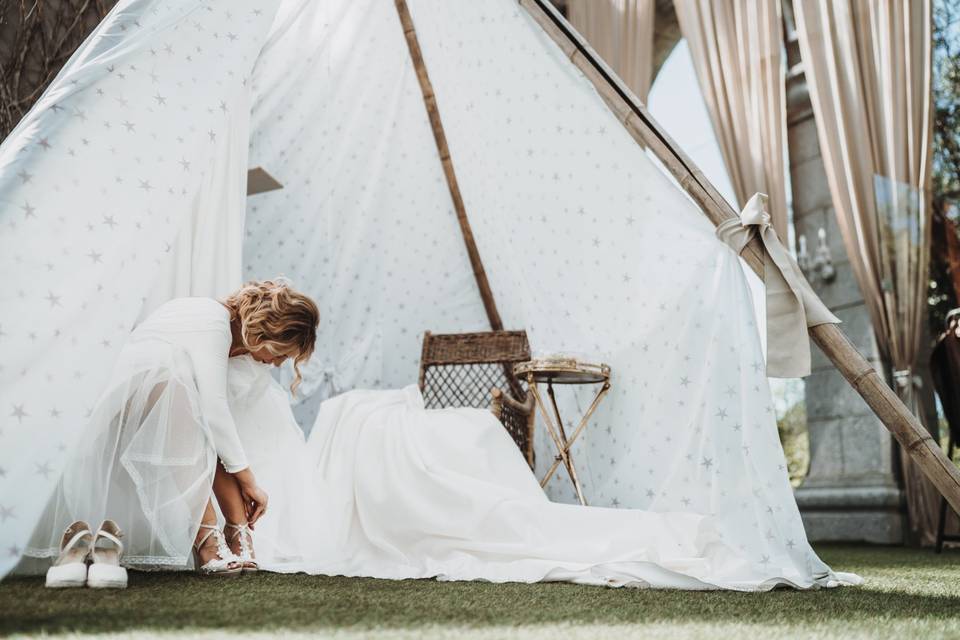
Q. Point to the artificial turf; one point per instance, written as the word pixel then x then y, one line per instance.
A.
pixel 907 593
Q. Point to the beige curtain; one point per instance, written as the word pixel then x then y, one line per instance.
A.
pixel 736 50
pixel 621 31
pixel 868 68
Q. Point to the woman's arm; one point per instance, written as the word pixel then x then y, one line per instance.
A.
pixel 210 368
pixel 254 498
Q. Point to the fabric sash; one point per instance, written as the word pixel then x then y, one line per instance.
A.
pixel 792 306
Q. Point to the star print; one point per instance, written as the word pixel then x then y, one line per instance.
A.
pixel 707 463
pixel 128 125
pixel 185 164
pixel 145 185
pixel 6 513
pixel 55 413
pixel 45 143
pixel 109 221
pixel 213 136
pixel 684 381
pixel 14 551
pixel 791 544
pixel 28 211
pixel 721 413
pixel 96 257
pixel 44 469
pixel 765 560
pixel 19 413
pixel 52 299
pixel 24 176
pixel 160 99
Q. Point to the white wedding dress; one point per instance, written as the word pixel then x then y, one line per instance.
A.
pixel 383 487
pixel 386 488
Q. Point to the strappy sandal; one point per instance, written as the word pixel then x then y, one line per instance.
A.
pixel 70 567
pixel 105 572
pixel 225 564
pixel 246 546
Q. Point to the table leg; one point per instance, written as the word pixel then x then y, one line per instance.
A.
pixel 567 459
pixel 558 443
pixel 579 429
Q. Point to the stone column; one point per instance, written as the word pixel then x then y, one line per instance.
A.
pixel 852 491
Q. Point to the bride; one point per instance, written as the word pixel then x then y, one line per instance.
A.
pixel 382 488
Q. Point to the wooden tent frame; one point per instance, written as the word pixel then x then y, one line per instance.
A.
pixel 632 114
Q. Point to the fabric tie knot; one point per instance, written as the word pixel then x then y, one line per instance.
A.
pixel 791 304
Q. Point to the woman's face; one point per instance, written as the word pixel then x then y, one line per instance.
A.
pixel 264 355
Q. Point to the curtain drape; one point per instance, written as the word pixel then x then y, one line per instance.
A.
pixel 736 50
pixel 621 31
pixel 868 68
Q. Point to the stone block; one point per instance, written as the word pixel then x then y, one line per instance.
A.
pixel 802 138
pixel 849 451
pixel 875 526
pixel 852 514
pixel 868 450
pixel 809 185
pixel 829 396
pixel 843 291
pixel 856 325
pixel 826 451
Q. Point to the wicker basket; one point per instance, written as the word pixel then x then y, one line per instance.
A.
pixel 476 370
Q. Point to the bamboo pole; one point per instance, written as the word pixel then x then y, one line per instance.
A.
pixel 904 426
pixel 433 113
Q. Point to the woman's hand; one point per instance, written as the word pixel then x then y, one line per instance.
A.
pixel 254 498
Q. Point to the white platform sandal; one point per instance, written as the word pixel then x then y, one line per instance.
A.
pixel 246 545
pixel 225 564
pixel 105 572
pixel 70 567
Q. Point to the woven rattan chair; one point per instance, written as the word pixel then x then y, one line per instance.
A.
pixel 476 370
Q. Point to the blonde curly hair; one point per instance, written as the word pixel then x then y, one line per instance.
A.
pixel 275 316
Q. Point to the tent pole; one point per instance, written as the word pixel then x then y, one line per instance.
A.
pixel 430 101
pixel 904 426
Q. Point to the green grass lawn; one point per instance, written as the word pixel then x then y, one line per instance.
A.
pixel 908 594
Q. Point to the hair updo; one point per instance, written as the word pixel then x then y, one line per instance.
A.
pixel 275 316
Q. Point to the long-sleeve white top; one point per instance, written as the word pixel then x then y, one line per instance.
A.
pixel 201 326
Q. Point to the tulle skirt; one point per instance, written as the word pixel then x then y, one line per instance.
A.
pixel 146 460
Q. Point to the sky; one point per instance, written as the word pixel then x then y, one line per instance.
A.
pixel 676 102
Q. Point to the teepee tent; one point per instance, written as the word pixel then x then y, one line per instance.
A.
pixel 126 185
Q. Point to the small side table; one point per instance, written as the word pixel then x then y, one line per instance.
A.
pixel 563 371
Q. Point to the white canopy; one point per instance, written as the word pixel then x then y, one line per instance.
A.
pixel 125 186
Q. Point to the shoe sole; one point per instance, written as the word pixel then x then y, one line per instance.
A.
pixel 106 584
pixel 64 585
pixel 221 574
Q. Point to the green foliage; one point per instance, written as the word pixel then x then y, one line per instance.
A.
pixel 792 428
pixel 946 151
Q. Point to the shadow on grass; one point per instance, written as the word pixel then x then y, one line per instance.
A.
pixel 902 584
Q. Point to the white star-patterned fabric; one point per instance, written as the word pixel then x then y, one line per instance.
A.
pixel 124 187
